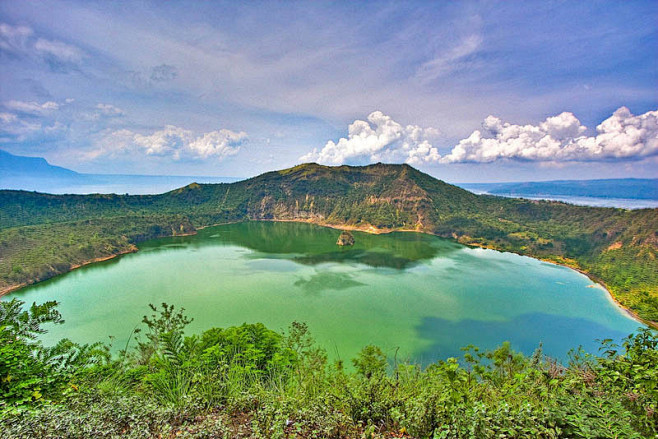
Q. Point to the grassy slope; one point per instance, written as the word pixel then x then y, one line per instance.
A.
pixel 42 235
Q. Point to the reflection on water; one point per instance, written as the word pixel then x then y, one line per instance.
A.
pixel 417 293
pixel 525 332
pixel 327 281
pixel 313 245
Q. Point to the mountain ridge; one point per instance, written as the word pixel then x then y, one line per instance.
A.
pixel 15 165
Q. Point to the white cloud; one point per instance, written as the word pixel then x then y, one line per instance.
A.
pixel 14 39
pixel 17 129
pixel 20 40
pixel 102 130
pixel 100 113
pixel 23 129
pixel 449 60
pixel 110 144
pixel 168 141
pixel 172 141
pixel 29 121
pixel 61 51
pixel 32 107
pixel 559 138
pixel 379 139
pixel 7 118
pixel 220 143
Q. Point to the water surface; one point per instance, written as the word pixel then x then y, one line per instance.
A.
pixel 424 295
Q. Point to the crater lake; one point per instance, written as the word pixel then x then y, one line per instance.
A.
pixel 417 296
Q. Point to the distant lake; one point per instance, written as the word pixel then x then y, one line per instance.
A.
pixel 424 295
pixel 107 183
pixel 626 193
pixel 624 203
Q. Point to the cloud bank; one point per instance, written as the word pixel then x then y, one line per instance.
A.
pixel 30 121
pixel 560 138
pixel 104 130
pixel 380 138
pixel 174 142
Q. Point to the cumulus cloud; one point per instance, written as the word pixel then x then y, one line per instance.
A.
pixel 560 138
pixel 21 41
pixel 172 141
pixel 220 143
pixel 103 130
pixel 380 138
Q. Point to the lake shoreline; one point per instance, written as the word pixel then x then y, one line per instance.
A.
pixel 370 229
pixel 378 231
pixel 11 288
pixel 599 282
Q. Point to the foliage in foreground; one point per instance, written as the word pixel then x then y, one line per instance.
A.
pixel 249 381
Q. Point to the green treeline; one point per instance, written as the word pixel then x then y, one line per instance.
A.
pixel 249 381
pixel 43 235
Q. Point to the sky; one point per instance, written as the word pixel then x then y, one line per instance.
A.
pixel 472 91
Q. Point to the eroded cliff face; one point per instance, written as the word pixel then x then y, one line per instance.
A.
pixel 381 197
pixel 373 211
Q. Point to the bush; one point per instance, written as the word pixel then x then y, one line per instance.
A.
pixel 249 380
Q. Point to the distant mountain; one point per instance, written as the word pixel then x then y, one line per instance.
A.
pixel 36 174
pixel 33 167
pixel 630 188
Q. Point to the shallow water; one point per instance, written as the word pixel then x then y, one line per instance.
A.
pixel 424 295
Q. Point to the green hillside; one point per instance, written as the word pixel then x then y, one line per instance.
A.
pixel 43 235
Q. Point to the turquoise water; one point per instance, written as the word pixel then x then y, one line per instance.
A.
pixel 421 295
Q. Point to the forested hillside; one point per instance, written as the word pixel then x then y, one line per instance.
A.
pixel 43 235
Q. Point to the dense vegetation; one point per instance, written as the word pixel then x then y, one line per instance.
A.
pixel 42 235
pixel 249 381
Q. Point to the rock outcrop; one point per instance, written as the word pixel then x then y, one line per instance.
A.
pixel 345 238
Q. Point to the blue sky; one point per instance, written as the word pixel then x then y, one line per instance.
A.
pixel 466 91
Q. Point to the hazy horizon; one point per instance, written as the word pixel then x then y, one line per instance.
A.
pixel 35 174
pixel 244 177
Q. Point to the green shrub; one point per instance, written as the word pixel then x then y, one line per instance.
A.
pixel 249 380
